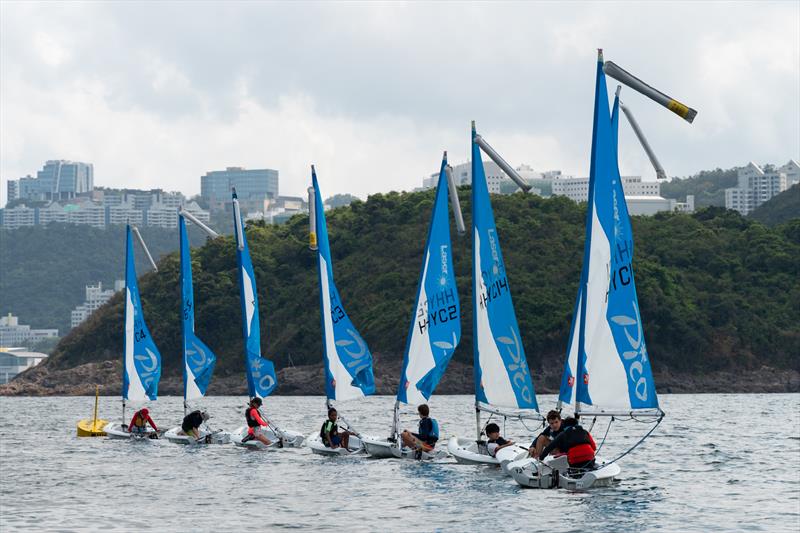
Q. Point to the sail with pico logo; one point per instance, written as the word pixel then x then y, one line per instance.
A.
pixel 348 361
pixel 436 323
pixel 142 369
pixel 607 365
pixel 198 359
pixel 502 377
pixel 261 378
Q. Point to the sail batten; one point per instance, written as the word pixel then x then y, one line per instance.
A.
pixel 261 377
pixel 198 359
pixel 502 377
pixel 142 364
pixel 435 328
pixel 348 361
pixel 613 367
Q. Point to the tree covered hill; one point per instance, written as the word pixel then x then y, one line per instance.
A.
pixel 44 269
pixel 716 290
pixel 780 208
pixel 707 186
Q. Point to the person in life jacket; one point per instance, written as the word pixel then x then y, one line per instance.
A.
pixel 192 422
pixel 255 423
pixel 554 428
pixel 496 442
pixel 425 439
pixel 140 420
pixel 576 442
pixel 330 434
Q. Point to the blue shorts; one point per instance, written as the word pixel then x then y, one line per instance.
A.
pixel 336 440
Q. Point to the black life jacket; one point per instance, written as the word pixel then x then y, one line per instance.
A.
pixel 251 422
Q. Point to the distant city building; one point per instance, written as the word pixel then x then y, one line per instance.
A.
pixel 685 207
pixel 16 360
pixel 95 298
pixel 252 187
pixel 577 189
pixel 12 333
pixel 792 171
pixel 496 180
pixel 58 180
pixel 280 209
pixel 756 187
pixel 106 207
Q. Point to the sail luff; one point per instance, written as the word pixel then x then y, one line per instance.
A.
pixel 435 325
pixel 348 361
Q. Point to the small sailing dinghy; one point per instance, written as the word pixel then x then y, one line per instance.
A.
pixel 92 427
pixel 141 367
pixel 261 378
pixel 348 361
pixel 434 332
pixel 198 359
pixel 503 385
pixel 607 371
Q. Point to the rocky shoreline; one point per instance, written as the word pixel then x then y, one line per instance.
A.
pixel 307 380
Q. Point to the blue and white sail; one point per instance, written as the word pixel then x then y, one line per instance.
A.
pixel 198 359
pixel 348 361
pixel 566 394
pixel 613 367
pixel 142 368
pixel 502 377
pixel 261 378
pixel 436 321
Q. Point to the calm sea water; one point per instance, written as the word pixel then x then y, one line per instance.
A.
pixel 717 463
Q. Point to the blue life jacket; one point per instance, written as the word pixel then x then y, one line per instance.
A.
pixel 434 428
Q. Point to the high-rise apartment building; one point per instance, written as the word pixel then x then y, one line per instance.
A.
pixel 754 188
pixel 252 186
pixel 58 180
pixel 95 298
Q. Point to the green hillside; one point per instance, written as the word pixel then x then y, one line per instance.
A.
pixel 717 291
pixel 708 187
pixel 780 208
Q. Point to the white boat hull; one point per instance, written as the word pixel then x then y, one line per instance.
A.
pixel 469 452
pixel 291 439
pixel 355 446
pixel 116 431
pixel 386 449
pixel 177 436
pixel 555 473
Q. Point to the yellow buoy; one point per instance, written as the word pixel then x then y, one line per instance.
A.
pixel 92 427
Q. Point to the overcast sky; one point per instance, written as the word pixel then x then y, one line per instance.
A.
pixel 156 94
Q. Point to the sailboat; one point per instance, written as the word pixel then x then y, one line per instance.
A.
pixel 348 361
pixel 261 378
pixel 503 385
pixel 435 327
pixel 198 359
pixel 141 366
pixel 607 371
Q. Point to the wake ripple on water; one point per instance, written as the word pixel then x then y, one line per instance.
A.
pixel 691 475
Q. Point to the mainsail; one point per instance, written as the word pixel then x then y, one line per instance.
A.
pixel 436 321
pixel 613 367
pixel 142 368
pixel 348 361
pixel 198 359
pixel 261 378
pixel 501 370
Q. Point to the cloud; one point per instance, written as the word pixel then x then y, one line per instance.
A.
pixel 155 95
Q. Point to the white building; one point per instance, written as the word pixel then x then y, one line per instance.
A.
pixel 792 171
pixel 95 298
pixel 577 189
pixel 17 217
pixel 16 360
pixel 755 187
pixel 462 174
pixel 12 333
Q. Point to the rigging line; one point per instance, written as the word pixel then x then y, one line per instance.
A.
pixel 637 444
pixel 604 436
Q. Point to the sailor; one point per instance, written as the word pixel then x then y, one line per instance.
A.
pixel 576 442
pixel 330 434
pixel 140 420
pixel 496 442
pixel 255 422
pixel 425 440
pixel 553 430
pixel 192 422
